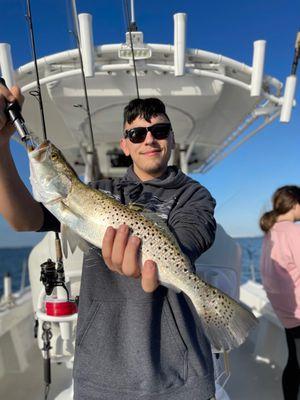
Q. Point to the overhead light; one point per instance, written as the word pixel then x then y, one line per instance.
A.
pixel 140 53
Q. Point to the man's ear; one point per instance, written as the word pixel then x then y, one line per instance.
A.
pixel 123 145
pixel 173 144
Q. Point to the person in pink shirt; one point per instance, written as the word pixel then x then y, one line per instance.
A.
pixel 280 271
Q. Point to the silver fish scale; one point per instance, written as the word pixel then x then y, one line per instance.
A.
pixel 155 244
pixel 216 306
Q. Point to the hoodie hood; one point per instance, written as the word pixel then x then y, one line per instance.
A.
pixel 173 178
pixel 159 194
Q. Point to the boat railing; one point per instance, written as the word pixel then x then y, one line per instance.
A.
pixel 250 254
pixel 9 299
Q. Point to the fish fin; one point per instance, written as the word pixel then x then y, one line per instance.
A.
pixel 73 239
pixel 106 192
pixel 225 321
pixel 67 211
pixel 64 241
pixel 152 216
pixel 83 245
pixel 159 222
pixel 69 237
pixel 52 202
pixel 136 207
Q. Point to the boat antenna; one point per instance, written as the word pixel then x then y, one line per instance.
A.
pixel 132 24
pixel 132 27
pixel 296 54
pixel 36 93
pixel 75 33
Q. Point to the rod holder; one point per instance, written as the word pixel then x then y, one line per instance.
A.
pixel 87 44
pixel 257 67
pixel 6 64
pixel 288 98
pixel 7 290
pixel 179 43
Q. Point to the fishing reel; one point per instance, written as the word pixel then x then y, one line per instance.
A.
pixel 52 277
pixel 58 304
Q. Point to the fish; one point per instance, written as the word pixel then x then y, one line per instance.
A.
pixel 89 212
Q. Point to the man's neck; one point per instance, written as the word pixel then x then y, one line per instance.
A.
pixel 145 176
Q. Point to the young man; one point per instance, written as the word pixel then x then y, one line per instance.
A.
pixel 135 339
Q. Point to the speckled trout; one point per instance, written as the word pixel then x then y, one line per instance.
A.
pixel 88 212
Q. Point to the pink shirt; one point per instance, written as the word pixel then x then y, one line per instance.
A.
pixel 280 271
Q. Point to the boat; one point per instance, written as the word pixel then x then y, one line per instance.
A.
pixel 215 104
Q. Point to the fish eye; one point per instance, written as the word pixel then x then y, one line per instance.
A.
pixel 54 157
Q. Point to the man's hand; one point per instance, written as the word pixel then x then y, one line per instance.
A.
pixel 6 95
pixel 120 253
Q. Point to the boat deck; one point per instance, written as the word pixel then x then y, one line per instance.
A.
pixel 250 379
pixel 29 384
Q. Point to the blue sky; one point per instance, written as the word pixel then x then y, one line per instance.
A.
pixel 242 183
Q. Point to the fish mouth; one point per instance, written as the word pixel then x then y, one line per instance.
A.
pixel 38 152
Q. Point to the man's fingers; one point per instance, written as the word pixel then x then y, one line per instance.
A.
pixel 7 95
pixel 121 253
pixel 17 95
pixel 119 246
pixel 107 245
pixel 149 276
pixel 130 266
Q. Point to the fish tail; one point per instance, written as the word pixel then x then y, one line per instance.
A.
pixel 226 322
pixel 226 336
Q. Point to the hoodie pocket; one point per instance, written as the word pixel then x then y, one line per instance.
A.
pixel 131 347
pixel 88 319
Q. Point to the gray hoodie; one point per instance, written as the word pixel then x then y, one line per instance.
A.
pixel 135 345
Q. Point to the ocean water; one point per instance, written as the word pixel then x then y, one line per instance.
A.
pixel 14 260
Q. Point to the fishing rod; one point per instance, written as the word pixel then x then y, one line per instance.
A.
pixel 296 54
pixel 91 152
pixel 38 92
pixel 132 27
pixel 13 109
pixel 46 327
pixel 88 111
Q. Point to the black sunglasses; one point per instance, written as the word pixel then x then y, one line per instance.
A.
pixel 158 131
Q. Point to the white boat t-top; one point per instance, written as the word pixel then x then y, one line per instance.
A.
pixel 215 103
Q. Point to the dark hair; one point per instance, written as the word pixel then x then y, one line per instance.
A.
pixel 283 201
pixel 145 108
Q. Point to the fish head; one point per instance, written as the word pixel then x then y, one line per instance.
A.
pixel 51 175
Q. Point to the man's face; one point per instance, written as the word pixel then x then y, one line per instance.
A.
pixel 150 158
